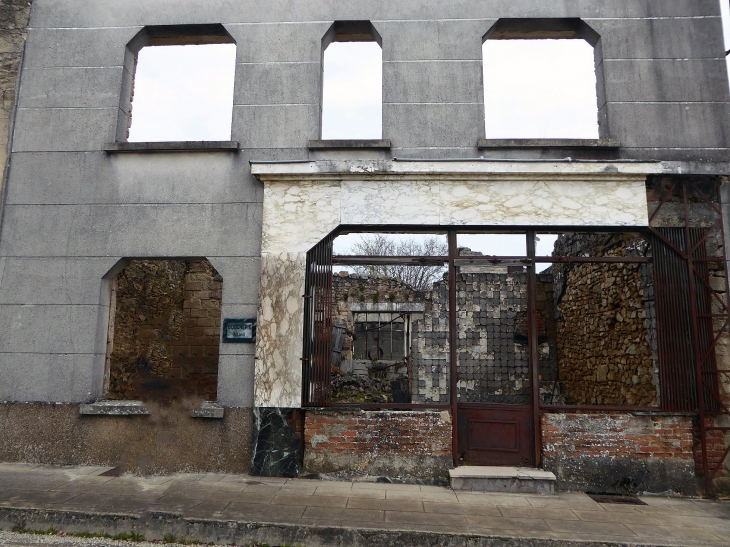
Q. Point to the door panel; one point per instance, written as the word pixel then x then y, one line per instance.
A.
pixel 495 435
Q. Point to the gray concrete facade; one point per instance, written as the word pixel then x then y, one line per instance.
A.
pixel 72 211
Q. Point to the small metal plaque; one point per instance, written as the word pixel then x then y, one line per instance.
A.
pixel 239 331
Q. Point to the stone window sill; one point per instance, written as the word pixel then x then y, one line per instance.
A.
pixel 114 408
pixel 349 144
pixel 591 144
pixel 208 409
pixel 176 146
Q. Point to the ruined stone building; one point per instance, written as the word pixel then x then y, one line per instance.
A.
pixel 169 306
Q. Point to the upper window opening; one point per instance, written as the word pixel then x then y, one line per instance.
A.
pixel 182 86
pixel 352 89
pixel 540 80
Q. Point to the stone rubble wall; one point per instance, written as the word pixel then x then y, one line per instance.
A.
pixel 167 328
pixel 606 339
pixel 492 339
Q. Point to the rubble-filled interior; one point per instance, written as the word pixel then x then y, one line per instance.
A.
pixel 165 331
pixel 596 330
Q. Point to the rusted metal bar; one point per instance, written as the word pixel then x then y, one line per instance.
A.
pixel 696 246
pixel 719 464
pixel 665 197
pixel 532 348
pixel 453 363
pixel 597 408
pixel 696 340
pixel 592 259
pixel 389 260
pixel 390 406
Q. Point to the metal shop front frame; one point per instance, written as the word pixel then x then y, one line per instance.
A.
pixel 692 317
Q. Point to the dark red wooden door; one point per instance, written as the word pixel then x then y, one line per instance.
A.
pixel 496 435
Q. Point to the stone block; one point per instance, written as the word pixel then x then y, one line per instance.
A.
pixel 419 40
pixel 208 409
pixel 278 83
pixel 277 126
pixel 650 124
pixel 139 230
pixel 656 38
pixel 77 47
pixel 71 87
pixel 176 178
pixel 433 82
pixel 512 480
pixel 433 124
pixel 644 80
pixel 114 408
pixel 37 377
pixel 36 329
pixel 235 378
pixel 63 129
pixel 59 281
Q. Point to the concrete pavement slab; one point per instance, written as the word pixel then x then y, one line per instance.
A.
pixel 242 509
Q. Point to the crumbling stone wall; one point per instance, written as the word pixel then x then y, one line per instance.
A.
pixel 166 331
pixel 348 289
pixel 407 445
pixel 14 16
pixel 492 338
pixel 606 340
pixel 619 453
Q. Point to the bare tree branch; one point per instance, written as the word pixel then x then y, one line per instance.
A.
pixel 420 278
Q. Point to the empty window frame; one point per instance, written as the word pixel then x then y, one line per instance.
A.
pixel 352 82
pixel 164 331
pixel 540 80
pixel 178 85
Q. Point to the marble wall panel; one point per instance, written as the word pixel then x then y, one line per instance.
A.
pixel 278 370
pixel 542 202
pixel 297 215
pixel 390 201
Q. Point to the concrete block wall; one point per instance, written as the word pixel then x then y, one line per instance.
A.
pixel 73 211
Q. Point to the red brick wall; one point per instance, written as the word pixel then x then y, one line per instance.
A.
pixel 622 435
pixel 358 432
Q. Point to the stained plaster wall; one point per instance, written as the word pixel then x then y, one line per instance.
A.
pixel 71 211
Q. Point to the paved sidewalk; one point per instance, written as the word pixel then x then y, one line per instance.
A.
pixel 225 508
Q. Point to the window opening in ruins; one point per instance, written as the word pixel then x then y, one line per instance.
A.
pixel 540 80
pixel 352 82
pixel 594 341
pixel 180 82
pixel 164 332
pixel 379 346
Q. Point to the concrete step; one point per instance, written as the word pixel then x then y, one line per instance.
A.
pixel 502 479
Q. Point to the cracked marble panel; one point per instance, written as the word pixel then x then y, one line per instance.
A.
pixel 604 202
pixel 278 371
pixel 297 215
pixel 390 202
